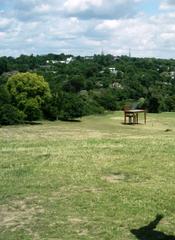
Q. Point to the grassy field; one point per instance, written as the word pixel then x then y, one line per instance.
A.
pixel 94 179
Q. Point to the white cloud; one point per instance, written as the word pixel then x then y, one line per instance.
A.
pixel 43 8
pixel 81 5
pixel 2 35
pixel 167 5
pixel 85 27
pixel 144 36
pixel 108 25
pixel 5 23
pixel 128 33
pixel 100 9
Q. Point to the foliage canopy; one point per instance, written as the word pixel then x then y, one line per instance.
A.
pixel 28 91
pixel 53 87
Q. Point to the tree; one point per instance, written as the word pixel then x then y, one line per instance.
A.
pixel 75 84
pixel 72 107
pixel 4 95
pixel 107 99
pixel 28 92
pixel 3 65
pixel 153 104
pixel 10 115
pixel 32 110
pixel 53 106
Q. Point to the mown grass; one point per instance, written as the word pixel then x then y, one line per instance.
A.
pixel 94 179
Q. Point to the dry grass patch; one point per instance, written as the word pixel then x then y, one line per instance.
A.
pixel 114 178
pixel 75 220
pixel 20 214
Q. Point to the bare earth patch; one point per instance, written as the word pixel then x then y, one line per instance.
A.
pixel 75 220
pixel 83 232
pixel 78 223
pixel 19 214
pixel 92 190
pixel 114 178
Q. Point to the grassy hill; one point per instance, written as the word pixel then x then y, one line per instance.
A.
pixel 94 179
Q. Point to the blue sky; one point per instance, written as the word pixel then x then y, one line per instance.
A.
pixel 85 27
pixel 150 7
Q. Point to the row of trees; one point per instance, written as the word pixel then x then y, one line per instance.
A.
pixel 27 97
pixel 35 87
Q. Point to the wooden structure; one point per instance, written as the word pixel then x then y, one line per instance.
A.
pixel 131 116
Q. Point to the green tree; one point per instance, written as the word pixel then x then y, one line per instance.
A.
pixel 53 106
pixel 3 65
pixel 72 107
pixel 32 110
pixel 10 115
pixel 4 95
pixel 107 99
pixel 75 84
pixel 29 92
pixel 153 104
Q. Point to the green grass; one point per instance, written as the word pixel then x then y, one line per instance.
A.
pixel 94 179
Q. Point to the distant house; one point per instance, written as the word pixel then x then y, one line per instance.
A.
pixel 88 57
pixel 116 57
pixel 67 61
pixel 172 75
pixel 116 85
pixel 51 61
pixel 113 70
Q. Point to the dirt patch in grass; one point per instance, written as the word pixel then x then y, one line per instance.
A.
pixel 20 214
pixel 78 223
pixel 83 232
pixel 114 177
pixel 92 190
pixel 75 220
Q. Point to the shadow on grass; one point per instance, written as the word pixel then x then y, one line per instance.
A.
pixel 148 232
pixel 33 123
pixel 132 124
pixel 72 120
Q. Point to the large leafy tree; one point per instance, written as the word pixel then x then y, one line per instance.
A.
pixel 28 91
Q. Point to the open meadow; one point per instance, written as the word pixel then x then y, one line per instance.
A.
pixel 95 179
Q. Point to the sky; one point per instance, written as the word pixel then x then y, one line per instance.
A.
pixel 145 28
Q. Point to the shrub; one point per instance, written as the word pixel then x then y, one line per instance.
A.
pixel 72 107
pixel 10 115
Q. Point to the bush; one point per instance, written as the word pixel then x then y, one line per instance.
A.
pixel 106 99
pixel 153 104
pixel 50 111
pixel 72 107
pixel 92 107
pixel 10 115
pixel 4 95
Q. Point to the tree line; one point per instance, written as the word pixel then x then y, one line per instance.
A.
pixel 59 86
